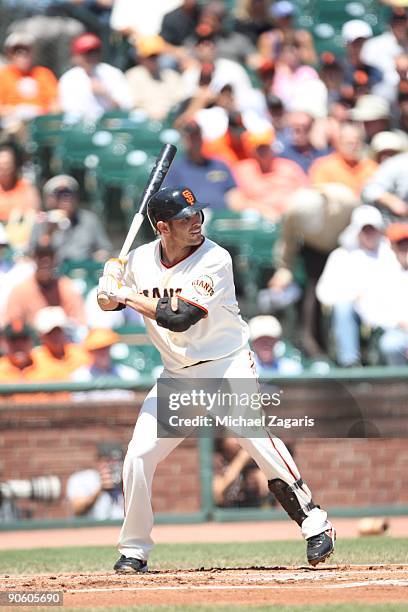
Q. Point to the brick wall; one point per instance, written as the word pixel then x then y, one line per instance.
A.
pixel 60 438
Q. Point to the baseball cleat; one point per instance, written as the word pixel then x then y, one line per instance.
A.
pixel 129 565
pixel 321 546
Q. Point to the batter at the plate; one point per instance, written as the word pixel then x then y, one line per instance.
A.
pixel 183 285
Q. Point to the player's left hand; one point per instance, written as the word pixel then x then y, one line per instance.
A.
pixel 115 267
pixel 113 289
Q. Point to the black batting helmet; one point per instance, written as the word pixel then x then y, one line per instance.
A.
pixel 173 203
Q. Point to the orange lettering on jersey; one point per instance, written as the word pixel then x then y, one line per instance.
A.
pixel 188 196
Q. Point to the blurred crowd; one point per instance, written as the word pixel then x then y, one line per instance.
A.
pixel 312 141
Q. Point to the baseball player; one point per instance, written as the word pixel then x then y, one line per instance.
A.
pixel 182 283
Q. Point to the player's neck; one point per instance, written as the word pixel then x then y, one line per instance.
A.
pixel 171 253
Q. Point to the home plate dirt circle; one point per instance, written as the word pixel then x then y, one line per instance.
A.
pixel 252 585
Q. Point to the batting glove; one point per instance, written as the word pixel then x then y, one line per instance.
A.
pixel 116 292
pixel 115 267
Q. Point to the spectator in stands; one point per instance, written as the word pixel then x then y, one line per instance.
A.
pixel 230 486
pixel 361 263
pixel 97 492
pixel 402 103
pixel 98 344
pixel 392 301
pixel 93 14
pixel 331 73
pixel 18 198
pixel 347 164
pixel 374 113
pixel 265 181
pixel 230 44
pixel 153 89
pixel 45 288
pixel 6 261
pixel 381 51
pixel 279 118
pixel 270 352
pixel 53 35
pixel 209 178
pixel 355 33
pixel 387 144
pixel 92 87
pixel 222 125
pixel 252 18
pixel 51 324
pixel 26 90
pixel 298 147
pixel 388 187
pixel 129 19
pixel 294 80
pixel 179 25
pixel 19 364
pixel 311 226
pixel 76 234
pixel 209 70
pixel 285 32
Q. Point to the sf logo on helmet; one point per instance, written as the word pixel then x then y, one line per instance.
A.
pixel 188 196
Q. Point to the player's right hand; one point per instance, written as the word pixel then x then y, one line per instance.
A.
pixel 115 267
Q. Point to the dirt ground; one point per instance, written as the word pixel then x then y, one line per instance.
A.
pixel 273 585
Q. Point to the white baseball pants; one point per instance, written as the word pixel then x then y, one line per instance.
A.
pixel 146 450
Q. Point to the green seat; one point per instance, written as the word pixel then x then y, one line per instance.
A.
pixel 85 272
pixel 76 144
pixel 44 135
pixel 250 239
pixel 144 358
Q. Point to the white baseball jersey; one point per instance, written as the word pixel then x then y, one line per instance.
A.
pixel 204 278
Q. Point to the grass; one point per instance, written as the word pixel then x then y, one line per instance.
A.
pixel 377 549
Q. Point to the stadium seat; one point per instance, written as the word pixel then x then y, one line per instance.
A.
pixel 44 135
pixel 86 273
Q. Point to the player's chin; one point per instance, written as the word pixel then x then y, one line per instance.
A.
pixel 196 238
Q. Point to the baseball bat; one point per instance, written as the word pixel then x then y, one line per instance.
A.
pixel 154 182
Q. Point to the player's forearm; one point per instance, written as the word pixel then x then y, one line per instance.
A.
pixel 146 306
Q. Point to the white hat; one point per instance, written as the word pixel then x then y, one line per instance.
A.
pixel 15 39
pixel 388 141
pixel 49 318
pixel 264 325
pixel 361 216
pixel 355 29
pixel 370 108
pixel 3 235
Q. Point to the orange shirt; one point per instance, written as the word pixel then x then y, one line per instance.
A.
pixel 38 88
pixel 38 372
pixel 222 148
pixel 334 169
pixel 269 192
pixel 27 298
pixel 22 198
pixel 75 357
